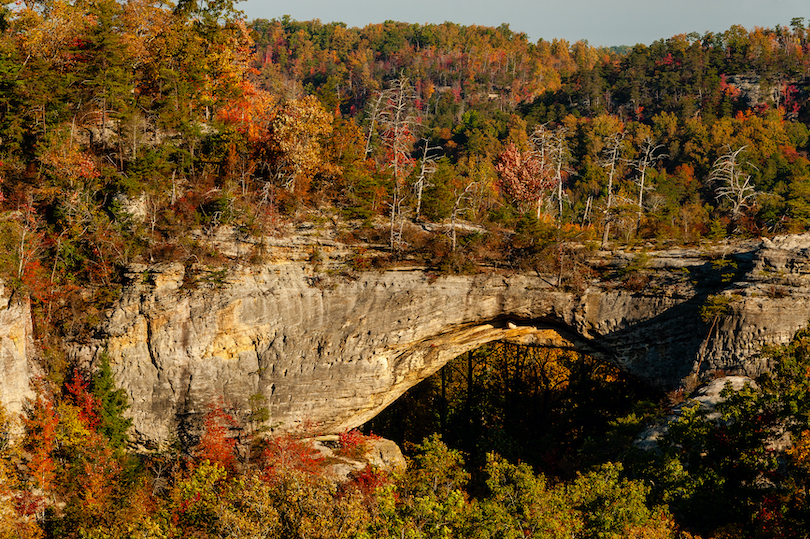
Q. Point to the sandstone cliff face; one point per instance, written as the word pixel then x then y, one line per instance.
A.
pixel 325 357
pixel 329 348
pixel 770 302
pixel 17 367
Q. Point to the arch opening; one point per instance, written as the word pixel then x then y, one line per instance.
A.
pixel 556 408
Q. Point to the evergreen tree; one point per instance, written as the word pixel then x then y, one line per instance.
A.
pixel 112 404
pixel 106 81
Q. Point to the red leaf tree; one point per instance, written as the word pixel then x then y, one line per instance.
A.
pixel 523 176
pixel 41 424
pixel 217 443
pixel 79 392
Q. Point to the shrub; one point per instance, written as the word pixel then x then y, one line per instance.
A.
pixel 354 444
pixel 217 444
pixel 285 454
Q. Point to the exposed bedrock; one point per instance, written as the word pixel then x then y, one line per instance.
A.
pixel 17 357
pixel 329 350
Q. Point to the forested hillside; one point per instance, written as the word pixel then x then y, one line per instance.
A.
pixel 131 131
pixel 129 127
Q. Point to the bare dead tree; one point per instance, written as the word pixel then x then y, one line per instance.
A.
pixel 649 157
pixel 586 215
pixel 732 182
pixel 611 157
pixel 399 122
pixel 547 165
pixel 541 151
pixel 375 110
pixel 30 238
pixel 461 204
pixel 560 157
pixel 427 167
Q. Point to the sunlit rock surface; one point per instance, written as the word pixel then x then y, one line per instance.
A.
pixel 17 366
pixel 706 398
pixel 329 347
pixel 380 454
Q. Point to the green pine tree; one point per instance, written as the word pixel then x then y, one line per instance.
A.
pixel 112 405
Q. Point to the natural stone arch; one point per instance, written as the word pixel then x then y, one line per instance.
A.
pixel 329 348
pixel 429 356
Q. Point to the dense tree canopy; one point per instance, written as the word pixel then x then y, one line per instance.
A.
pixel 130 129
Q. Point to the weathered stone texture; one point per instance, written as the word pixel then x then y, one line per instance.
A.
pixel 329 348
pixel 17 367
pixel 330 351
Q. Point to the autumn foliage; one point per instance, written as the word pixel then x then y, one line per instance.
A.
pixel 286 453
pixel 522 176
pixel 138 132
pixel 218 442
pixel 70 481
pixel 354 444
pixel 41 429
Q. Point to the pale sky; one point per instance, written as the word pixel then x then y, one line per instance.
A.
pixel 601 22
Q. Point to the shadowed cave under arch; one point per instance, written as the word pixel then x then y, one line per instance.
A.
pixel 547 403
pixel 439 350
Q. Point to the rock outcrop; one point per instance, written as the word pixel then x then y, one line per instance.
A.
pixel 380 454
pixel 752 91
pixel 329 347
pixel 17 365
pixel 706 398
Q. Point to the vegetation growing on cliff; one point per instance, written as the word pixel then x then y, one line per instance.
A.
pixel 66 478
pixel 134 130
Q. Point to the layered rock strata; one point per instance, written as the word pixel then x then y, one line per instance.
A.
pixel 329 347
pixel 17 353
